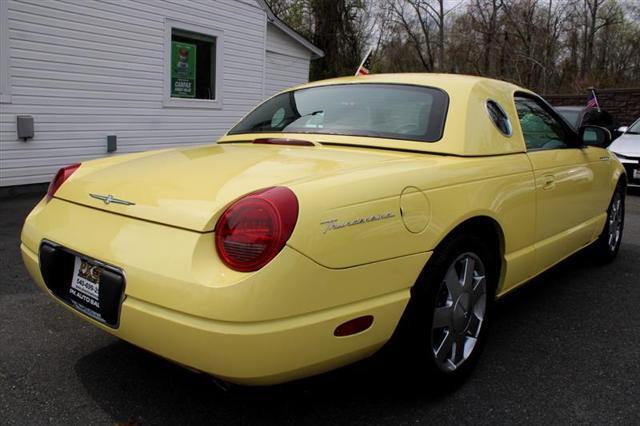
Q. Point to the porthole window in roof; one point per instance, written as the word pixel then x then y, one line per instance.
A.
pixel 499 117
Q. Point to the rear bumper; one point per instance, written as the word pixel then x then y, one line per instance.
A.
pixel 253 329
pixel 258 353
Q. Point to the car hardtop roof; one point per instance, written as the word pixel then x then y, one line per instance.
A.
pixel 446 82
pixel 468 127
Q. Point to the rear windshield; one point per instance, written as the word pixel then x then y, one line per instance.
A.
pixel 376 110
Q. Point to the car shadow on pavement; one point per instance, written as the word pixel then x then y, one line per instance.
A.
pixel 134 386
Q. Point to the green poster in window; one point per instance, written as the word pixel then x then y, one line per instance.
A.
pixel 183 70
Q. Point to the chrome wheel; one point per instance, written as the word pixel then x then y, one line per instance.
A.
pixel 461 304
pixel 615 221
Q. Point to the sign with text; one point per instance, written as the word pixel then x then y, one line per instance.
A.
pixel 183 70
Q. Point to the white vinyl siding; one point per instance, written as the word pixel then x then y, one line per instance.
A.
pixel 5 83
pixel 287 62
pixel 86 69
pixel 283 72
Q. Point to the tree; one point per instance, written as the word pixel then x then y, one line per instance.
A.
pixel 338 30
pixel 546 45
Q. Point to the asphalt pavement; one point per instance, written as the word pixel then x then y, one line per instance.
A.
pixel 564 349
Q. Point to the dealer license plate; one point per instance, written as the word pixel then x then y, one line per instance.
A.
pixel 636 174
pixel 84 291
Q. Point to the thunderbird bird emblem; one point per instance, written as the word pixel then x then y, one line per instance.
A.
pixel 108 199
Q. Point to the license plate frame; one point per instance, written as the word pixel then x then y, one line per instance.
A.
pixel 60 265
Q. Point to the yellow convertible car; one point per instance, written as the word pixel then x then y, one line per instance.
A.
pixel 333 217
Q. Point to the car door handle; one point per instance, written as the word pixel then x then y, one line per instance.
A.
pixel 549 182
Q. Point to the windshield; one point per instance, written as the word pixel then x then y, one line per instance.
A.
pixel 377 110
pixel 635 128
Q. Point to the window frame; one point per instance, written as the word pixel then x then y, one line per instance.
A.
pixel 571 139
pixel 5 57
pixel 446 105
pixel 218 35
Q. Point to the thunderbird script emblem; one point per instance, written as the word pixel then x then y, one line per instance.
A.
pixel 333 224
pixel 108 199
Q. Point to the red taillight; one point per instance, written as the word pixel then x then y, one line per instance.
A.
pixel 62 175
pixel 253 230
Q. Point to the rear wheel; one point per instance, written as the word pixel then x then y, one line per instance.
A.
pixel 459 312
pixel 445 324
pixel 607 246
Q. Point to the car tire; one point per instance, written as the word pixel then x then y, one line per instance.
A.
pixel 444 327
pixel 606 247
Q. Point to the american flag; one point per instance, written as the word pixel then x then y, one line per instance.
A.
pixel 592 101
pixel 365 66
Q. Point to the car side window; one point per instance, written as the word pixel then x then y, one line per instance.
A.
pixel 499 118
pixel 540 129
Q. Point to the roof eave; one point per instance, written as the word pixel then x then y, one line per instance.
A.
pixel 316 52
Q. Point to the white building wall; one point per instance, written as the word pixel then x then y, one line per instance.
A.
pixel 287 62
pixel 85 69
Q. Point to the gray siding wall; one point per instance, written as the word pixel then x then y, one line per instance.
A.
pixel 287 63
pixel 85 69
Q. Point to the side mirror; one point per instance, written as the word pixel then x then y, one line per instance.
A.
pixel 622 129
pixel 595 136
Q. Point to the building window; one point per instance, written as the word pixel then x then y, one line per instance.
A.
pixel 193 65
pixel 193 61
pixel 5 83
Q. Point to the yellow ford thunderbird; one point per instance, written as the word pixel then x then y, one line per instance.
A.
pixel 331 218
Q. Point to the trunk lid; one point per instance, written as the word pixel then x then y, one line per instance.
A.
pixel 189 187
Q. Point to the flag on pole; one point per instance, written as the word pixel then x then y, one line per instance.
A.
pixel 592 101
pixel 365 65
